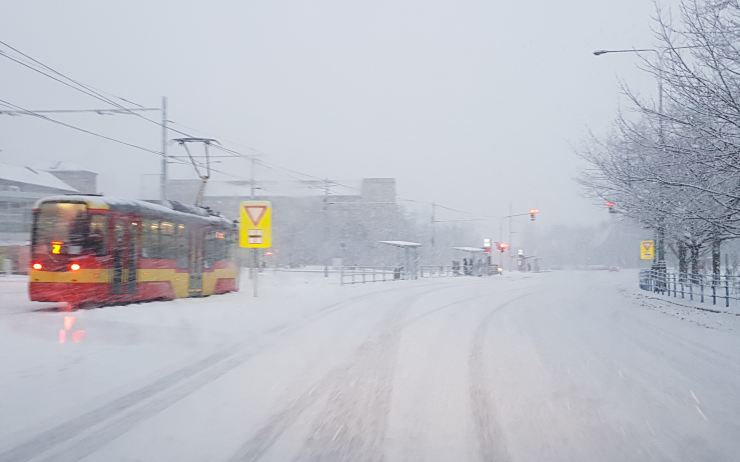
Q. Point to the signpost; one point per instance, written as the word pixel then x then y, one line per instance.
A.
pixel 255 231
pixel 647 250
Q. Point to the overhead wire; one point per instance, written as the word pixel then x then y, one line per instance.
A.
pixel 80 129
pixel 99 94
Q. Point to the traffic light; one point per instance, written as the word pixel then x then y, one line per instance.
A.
pixel 502 246
pixel 533 213
pixel 610 205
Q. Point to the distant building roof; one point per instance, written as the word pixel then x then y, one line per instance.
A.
pixel 401 243
pixel 469 249
pixel 33 176
pixel 265 188
pixel 61 166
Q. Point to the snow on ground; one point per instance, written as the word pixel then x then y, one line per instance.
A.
pixel 551 366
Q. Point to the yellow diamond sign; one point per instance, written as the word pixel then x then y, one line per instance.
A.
pixel 255 225
pixel 647 250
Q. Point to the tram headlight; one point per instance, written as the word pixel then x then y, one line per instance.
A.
pixel 74 266
pixel 37 266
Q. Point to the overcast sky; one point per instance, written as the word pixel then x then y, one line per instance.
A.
pixel 473 104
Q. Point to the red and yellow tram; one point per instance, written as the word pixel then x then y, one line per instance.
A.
pixel 88 249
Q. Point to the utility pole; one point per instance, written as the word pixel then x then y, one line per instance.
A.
pixel 253 186
pixel 511 244
pixel 327 228
pixel 254 270
pixel 163 175
pixel 434 233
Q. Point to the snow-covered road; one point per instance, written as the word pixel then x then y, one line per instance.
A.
pixel 562 366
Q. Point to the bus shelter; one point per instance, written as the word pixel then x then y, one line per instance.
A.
pixel 409 267
pixel 474 263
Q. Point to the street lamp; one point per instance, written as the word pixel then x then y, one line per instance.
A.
pixel 660 254
pixel 660 54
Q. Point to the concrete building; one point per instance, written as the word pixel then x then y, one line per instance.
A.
pixel 313 221
pixel 79 178
pixel 20 188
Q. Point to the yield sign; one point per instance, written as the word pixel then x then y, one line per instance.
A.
pixel 647 250
pixel 255 225
pixel 255 213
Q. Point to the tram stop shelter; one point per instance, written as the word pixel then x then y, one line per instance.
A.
pixel 476 266
pixel 409 259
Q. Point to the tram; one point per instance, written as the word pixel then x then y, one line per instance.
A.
pixel 92 249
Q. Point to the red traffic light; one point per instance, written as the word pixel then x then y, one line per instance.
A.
pixel 610 205
pixel 502 246
pixel 533 213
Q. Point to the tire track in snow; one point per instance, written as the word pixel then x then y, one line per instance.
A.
pixel 113 418
pixel 331 438
pixel 491 441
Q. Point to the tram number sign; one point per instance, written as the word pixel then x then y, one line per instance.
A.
pixel 255 225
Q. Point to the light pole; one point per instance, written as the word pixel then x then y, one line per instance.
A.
pixel 659 262
pixel 532 213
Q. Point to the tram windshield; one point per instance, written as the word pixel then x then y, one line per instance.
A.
pixel 63 228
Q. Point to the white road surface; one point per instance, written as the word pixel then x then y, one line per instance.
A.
pixel 561 366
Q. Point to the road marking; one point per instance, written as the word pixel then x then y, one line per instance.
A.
pixel 703 416
pixel 694 396
pixel 621 374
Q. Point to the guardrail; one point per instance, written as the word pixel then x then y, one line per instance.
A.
pixel 723 289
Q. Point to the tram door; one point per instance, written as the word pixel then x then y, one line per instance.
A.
pixel 125 256
pixel 195 260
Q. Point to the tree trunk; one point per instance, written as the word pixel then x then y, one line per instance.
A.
pixel 694 250
pixel 716 260
pixel 683 264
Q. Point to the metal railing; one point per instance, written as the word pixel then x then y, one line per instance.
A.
pixel 436 271
pixel 717 290
pixel 365 274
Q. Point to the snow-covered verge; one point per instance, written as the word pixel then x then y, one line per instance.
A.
pixel 702 314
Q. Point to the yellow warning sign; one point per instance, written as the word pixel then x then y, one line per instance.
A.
pixel 255 225
pixel 647 250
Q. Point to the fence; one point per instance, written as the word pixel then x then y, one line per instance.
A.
pixel 364 274
pixel 721 289
pixel 441 271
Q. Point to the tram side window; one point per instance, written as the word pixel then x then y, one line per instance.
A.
pixel 217 243
pixel 231 245
pixel 150 244
pixel 181 239
pixel 167 244
pixel 210 249
pixel 96 239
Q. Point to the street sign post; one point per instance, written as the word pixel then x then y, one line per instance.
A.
pixel 255 231
pixel 647 250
